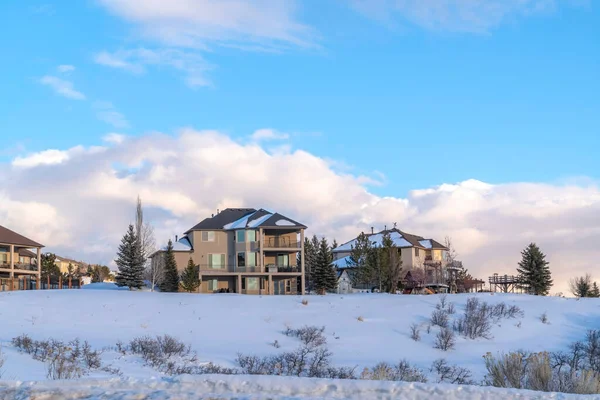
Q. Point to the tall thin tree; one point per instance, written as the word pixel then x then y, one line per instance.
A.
pixel 130 261
pixel 170 281
pixel 325 273
pixel 534 271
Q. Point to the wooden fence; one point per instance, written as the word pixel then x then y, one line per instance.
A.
pixel 31 283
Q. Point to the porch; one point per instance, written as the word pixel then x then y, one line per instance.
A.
pixel 260 284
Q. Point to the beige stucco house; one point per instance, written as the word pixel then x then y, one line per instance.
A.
pixel 244 250
pixel 20 261
pixel 416 253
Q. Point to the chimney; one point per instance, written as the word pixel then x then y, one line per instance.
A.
pixel 372 230
pixel 176 238
pixel 212 215
pixel 385 227
pixel 217 211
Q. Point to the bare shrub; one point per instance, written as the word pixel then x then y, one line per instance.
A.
pixel 90 357
pixel 450 309
pixel 445 340
pixel 539 372
pixel 508 371
pixel 403 371
pixel 309 335
pixel 428 329
pixel 62 366
pixel 304 302
pixel 544 318
pixel 441 305
pixel 23 343
pixel 360 318
pixel 451 373
pixel 276 344
pixel 440 318
pixel 164 353
pixel 415 333
pixel 475 322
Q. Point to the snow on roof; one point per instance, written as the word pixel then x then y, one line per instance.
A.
pixel 376 239
pixel 182 244
pixel 425 243
pixel 341 263
pixel 284 222
pixel 243 223
pixel 258 221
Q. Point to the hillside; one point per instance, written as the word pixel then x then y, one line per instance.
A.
pixel 361 330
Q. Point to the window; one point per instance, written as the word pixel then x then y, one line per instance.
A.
pixel 288 285
pixel 417 251
pixel 22 260
pixel 251 236
pixel 213 284
pixel 208 236
pixel 240 236
pixel 252 259
pixel 283 260
pixel 241 259
pixel 252 283
pixel 216 261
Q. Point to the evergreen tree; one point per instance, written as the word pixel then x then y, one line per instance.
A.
pixel 595 292
pixel 170 281
pixel 359 260
pixel 190 278
pixel 334 245
pixel 325 277
pixel 391 263
pixel 581 286
pixel 49 267
pixel 310 252
pixel 130 261
pixel 534 271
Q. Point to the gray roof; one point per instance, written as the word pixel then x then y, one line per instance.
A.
pixel 11 237
pixel 400 238
pixel 242 218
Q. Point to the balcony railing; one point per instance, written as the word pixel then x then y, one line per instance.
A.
pixel 282 268
pixel 21 266
pixel 281 243
pixel 249 269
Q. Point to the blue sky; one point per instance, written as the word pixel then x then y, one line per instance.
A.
pixel 517 100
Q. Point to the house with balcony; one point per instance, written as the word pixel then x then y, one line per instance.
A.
pixel 244 250
pixel 423 260
pixel 20 261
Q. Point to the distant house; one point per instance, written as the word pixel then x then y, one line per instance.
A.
pixel 20 261
pixel 63 264
pixel 423 260
pixel 244 250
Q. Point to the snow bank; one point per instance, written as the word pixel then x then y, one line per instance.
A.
pixel 103 286
pixel 260 387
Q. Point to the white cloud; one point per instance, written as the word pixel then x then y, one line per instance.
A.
pixel 268 134
pixel 136 60
pixel 454 15
pixel 114 138
pixel 117 60
pixel 52 157
pixel 106 112
pixel 490 224
pixel 195 23
pixel 65 68
pixel 62 87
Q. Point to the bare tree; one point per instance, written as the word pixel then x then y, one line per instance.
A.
pixel 451 254
pixel 144 231
pixel 155 271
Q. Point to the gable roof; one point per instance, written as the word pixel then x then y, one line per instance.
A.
pixel 11 237
pixel 401 239
pixel 242 218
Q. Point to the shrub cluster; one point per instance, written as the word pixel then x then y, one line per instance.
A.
pixel 63 360
pixel 402 371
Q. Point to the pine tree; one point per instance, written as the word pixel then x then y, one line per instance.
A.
pixel 325 278
pixel 190 278
pixel 170 281
pixel 581 286
pixel 49 267
pixel 595 292
pixel 534 271
pixel 130 261
pixel 334 244
pixel 391 263
pixel 359 260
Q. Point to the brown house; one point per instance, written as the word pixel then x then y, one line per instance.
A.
pixel 20 261
pixel 243 250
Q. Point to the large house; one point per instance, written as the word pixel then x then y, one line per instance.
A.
pixel 20 261
pixel 243 250
pixel 423 260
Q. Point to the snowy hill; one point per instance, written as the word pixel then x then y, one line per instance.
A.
pixel 361 330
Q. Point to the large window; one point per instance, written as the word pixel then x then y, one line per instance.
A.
pixel 208 236
pixel 240 236
pixel 251 259
pixel 251 236
pixel 241 259
pixel 283 260
pixel 216 261
pixel 213 284
pixel 252 284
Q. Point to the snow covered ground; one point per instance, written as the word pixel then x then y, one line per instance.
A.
pixel 220 326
